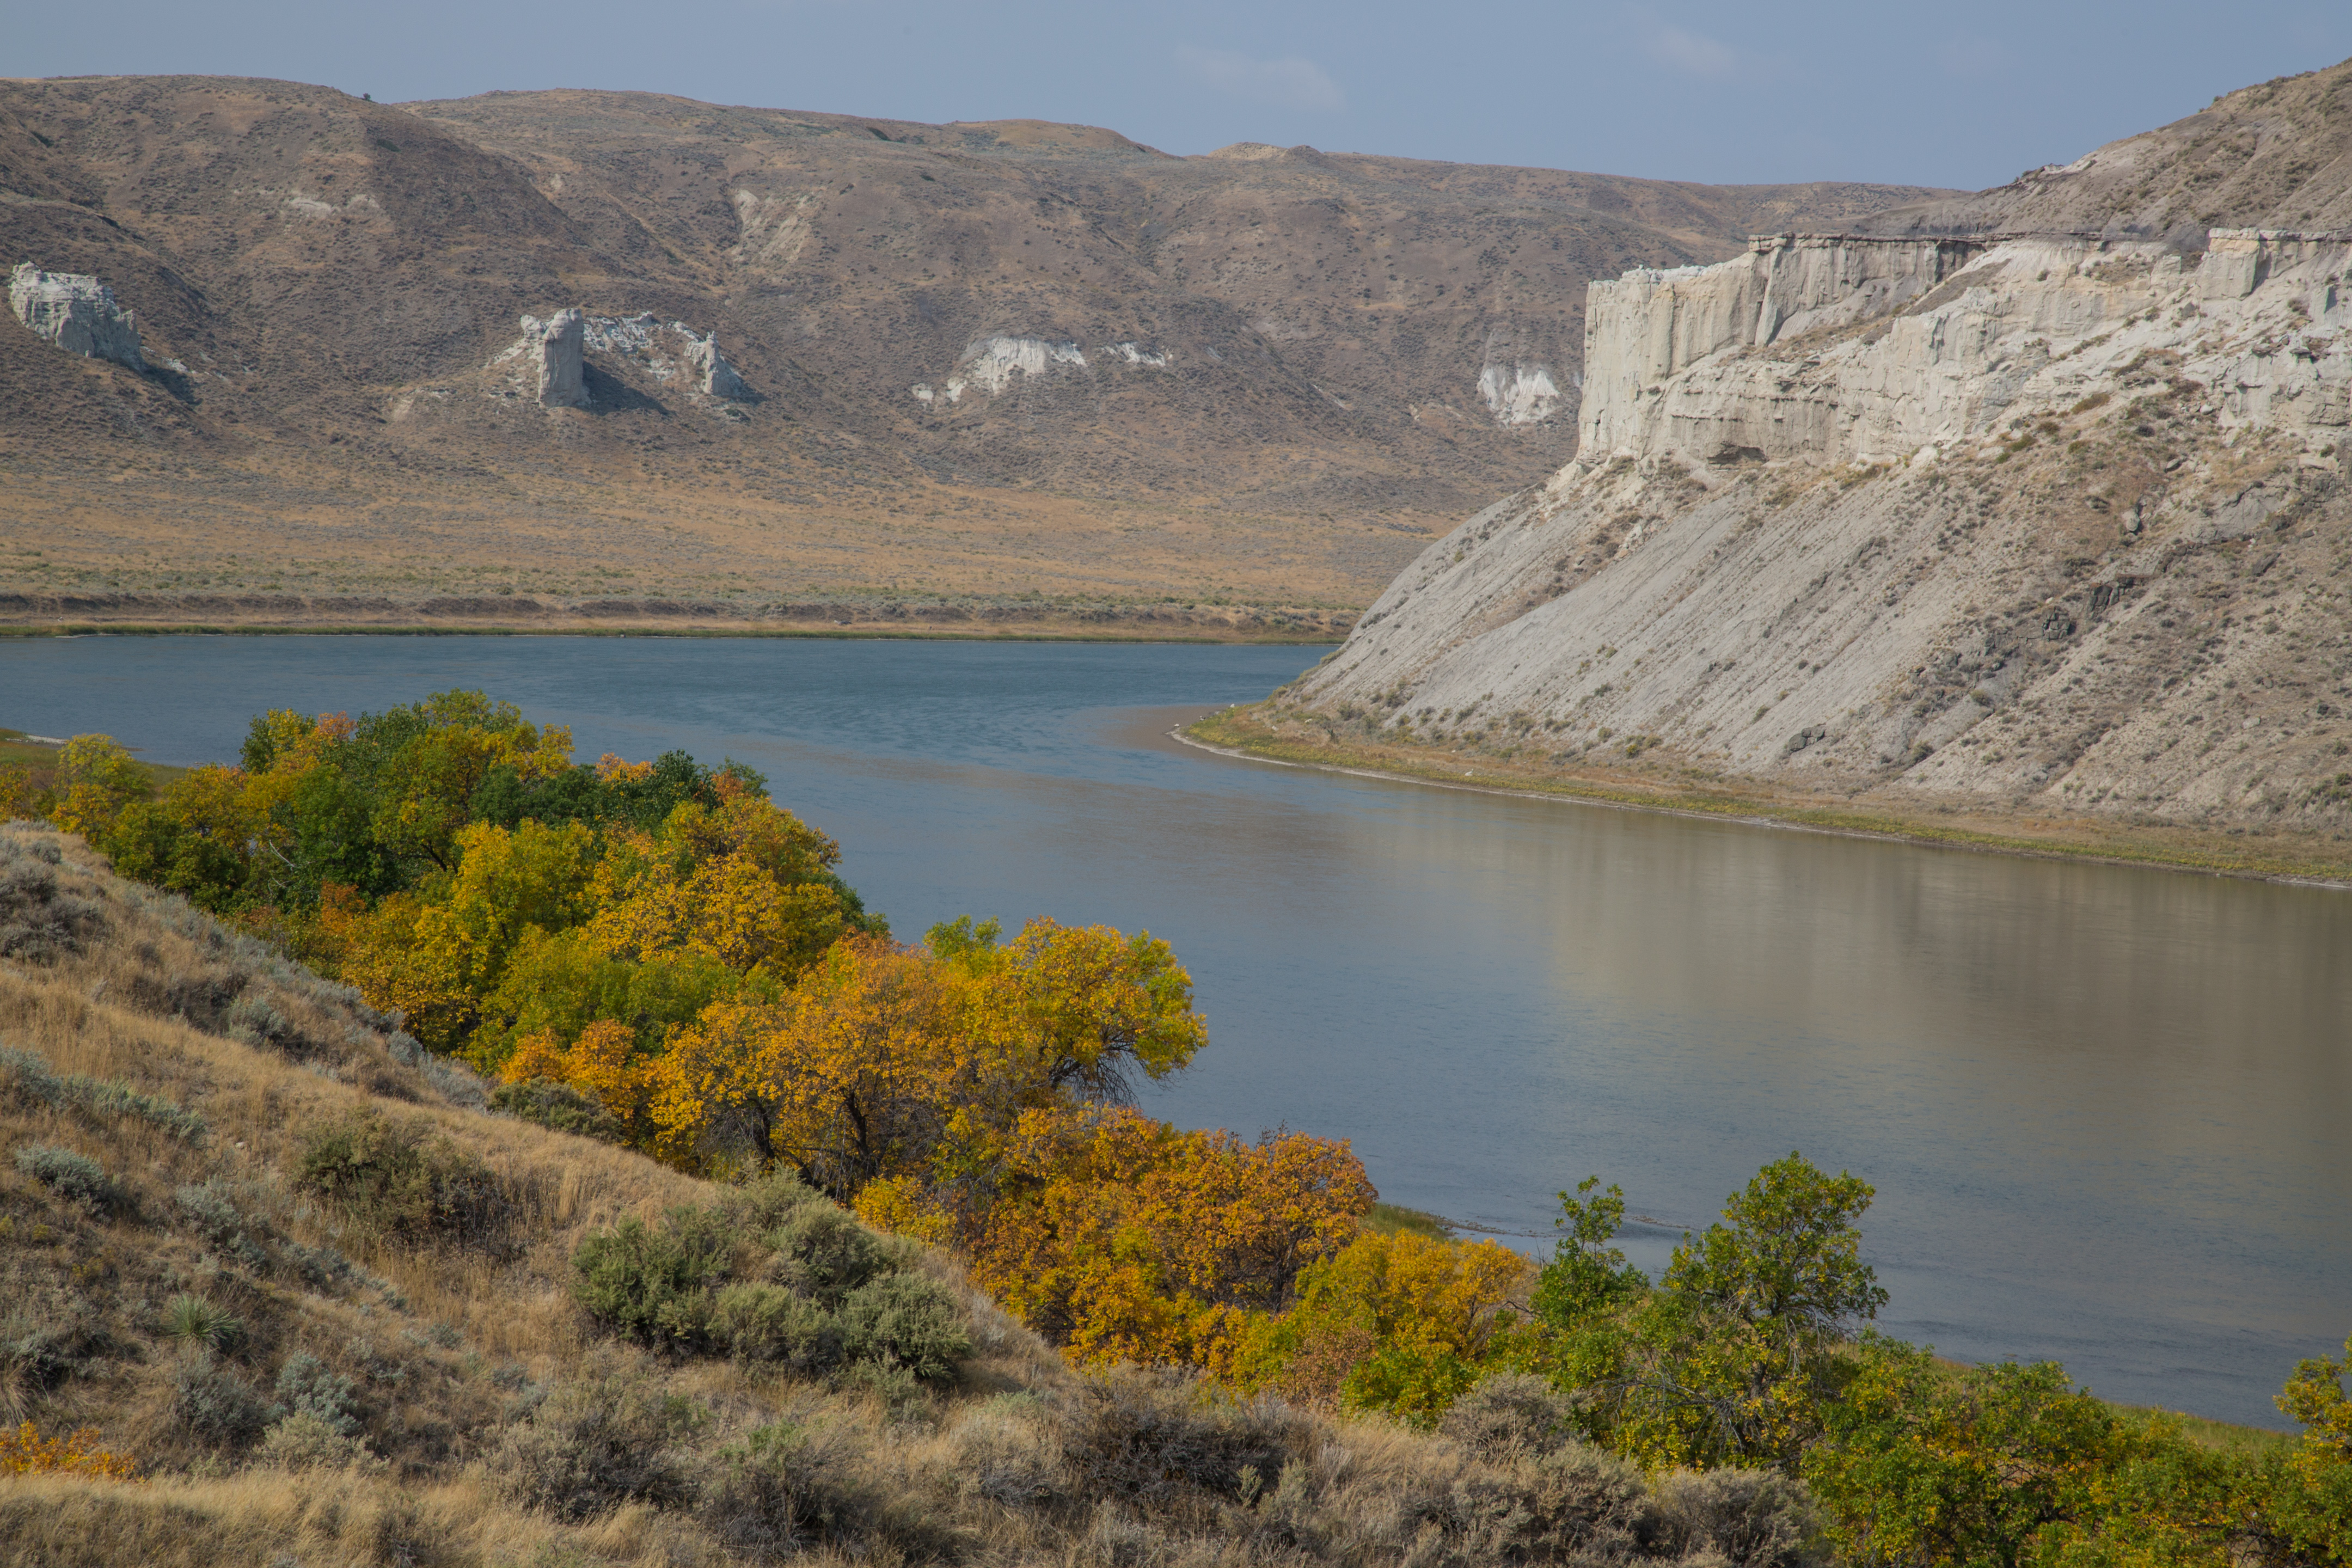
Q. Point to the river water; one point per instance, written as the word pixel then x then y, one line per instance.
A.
pixel 2108 1112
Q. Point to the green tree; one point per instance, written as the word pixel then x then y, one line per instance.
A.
pixel 1731 1358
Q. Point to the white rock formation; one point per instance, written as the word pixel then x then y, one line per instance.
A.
pixel 1519 394
pixel 990 364
pixel 719 377
pixel 75 313
pixel 662 349
pixel 1903 507
pixel 555 346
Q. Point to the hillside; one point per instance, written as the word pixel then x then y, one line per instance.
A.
pixel 994 371
pixel 400 1373
pixel 2045 527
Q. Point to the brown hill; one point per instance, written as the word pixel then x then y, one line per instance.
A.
pixel 1262 375
pixel 2276 155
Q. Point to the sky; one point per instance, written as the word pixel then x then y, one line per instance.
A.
pixel 1721 92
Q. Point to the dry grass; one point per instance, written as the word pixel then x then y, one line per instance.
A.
pixel 468 1374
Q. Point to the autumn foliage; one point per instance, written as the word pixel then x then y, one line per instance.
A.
pixel 25 1452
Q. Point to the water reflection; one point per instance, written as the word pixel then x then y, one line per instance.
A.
pixel 2103 1107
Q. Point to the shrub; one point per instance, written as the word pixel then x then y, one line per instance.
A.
pixel 1006 1458
pixel 654 1284
pixel 904 1321
pixel 193 1321
pixel 252 1021
pixel 557 1106
pixel 1751 1519
pixel 307 1386
pixel 595 1445
pixel 105 1096
pixel 401 1179
pixel 779 1494
pixel 25 1452
pixel 37 921
pixel 767 1322
pixel 216 1406
pixel 1584 1506
pixel 306 1442
pixel 77 1178
pixel 1510 1415
pixel 210 1210
pixel 1151 1437
pixel 762 1207
pixel 827 1253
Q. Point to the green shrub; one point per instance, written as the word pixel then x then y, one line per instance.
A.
pixel 307 1386
pixel 216 1406
pixel 905 1322
pixel 557 1106
pixel 595 1445
pixel 779 1494
pixel 107 1097
pixel 827 1253
pixel 768 1322
pixel 210 1210
pixel 401 1179
pixel 762 1208
pixel 654 1284
pixel 305 1442
pixel 77 1178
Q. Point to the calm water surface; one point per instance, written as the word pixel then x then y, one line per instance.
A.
pixel 2105 1110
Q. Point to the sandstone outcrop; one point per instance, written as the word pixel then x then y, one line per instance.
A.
pixel 2054 519
pixel 77 313
pixel 556 346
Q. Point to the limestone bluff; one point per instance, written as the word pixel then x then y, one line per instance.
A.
pixel 2046 519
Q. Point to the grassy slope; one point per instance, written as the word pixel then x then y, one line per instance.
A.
pixel 1254 732
pixel 449 1348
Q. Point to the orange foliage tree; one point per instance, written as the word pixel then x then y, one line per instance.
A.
pixel 1124 1239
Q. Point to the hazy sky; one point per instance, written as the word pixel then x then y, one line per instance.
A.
pixel 1800 89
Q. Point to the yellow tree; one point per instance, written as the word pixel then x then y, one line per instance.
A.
pixel 1124 1239
pixel 748 885
pixel 96 779
pixel 854 1074
pixel 1397 1323
pixel 1088 1006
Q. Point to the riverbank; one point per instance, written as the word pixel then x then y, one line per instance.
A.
pixel 144 614
pixel 2267 854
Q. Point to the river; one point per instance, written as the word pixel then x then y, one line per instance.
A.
pixel 2105 1108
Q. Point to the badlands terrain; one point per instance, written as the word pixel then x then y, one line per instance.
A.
pixel 999 375
pixel 2026 507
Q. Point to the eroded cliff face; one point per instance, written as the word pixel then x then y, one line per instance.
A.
pixel 2050 520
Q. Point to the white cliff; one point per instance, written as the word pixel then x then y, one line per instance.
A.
pixel 1979 515
pixel 77 313
pixel 555 346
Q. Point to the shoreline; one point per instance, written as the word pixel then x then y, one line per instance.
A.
pixel 838 634
pixel 2204 855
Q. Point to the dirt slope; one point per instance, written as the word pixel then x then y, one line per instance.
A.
pixel 1295 364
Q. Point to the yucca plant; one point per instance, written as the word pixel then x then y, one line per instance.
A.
pixel 195 1322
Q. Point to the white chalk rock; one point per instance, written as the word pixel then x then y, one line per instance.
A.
pixel 555 347
pixel 719 377
pixel 77 313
